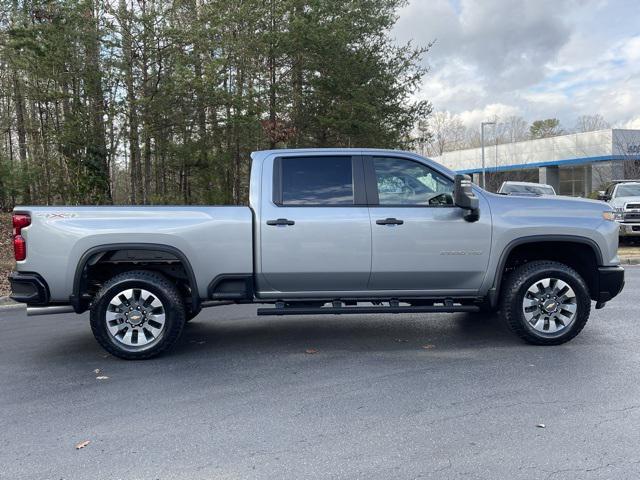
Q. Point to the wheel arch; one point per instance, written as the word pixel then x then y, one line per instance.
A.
pixel 80 281
pixel 544 243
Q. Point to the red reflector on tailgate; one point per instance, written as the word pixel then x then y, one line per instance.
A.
pixel 20 221
pixel 19 248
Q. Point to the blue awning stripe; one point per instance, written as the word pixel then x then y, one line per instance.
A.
pixel 571 161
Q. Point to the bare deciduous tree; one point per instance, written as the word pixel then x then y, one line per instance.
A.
pixel 590 123
pixel 447 132
pixel 512 129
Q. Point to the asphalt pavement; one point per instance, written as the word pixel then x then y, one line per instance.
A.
pixel 353 397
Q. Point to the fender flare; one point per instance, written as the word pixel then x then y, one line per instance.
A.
pixel 79 279
pixel 497 282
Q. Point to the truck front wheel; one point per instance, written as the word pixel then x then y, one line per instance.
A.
pixel 137 315
pixel 545 302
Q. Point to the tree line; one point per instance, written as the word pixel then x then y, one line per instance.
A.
pixel 157 101
pixel 443 131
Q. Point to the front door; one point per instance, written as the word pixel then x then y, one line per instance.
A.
pixel 315 233
pixel 420 240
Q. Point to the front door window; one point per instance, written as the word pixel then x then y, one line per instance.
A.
pixel 407 183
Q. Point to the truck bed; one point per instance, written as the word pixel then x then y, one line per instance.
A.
pixel 216 240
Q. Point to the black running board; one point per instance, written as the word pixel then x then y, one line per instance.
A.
pixel 366 310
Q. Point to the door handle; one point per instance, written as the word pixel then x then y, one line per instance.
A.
pixel 280 221
pixel 389 221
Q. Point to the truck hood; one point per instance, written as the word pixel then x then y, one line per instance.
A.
pixel 622 201
pixel 554 205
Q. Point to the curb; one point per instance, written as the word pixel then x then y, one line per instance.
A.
pixel 629 260
pixel 7 304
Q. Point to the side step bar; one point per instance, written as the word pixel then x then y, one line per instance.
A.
pixel 50 310
pixel 59 309
pixel 366 310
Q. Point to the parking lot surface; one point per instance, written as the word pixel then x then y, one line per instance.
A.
pixel 387 396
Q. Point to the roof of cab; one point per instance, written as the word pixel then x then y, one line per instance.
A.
pixel 287 151
pixel 260 155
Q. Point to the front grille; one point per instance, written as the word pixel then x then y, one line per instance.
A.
pixel 632 216
pixel 633 206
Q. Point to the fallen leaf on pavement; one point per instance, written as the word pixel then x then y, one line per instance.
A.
pixel 541 425
pixel 428 347
pixel 102 377
pixel 83 444
pixel 311 351
pixel 401 340
pixel 96 371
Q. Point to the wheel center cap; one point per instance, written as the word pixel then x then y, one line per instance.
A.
pixel 136 317
pixel 550 306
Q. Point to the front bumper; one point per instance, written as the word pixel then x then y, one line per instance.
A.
pixel 629 229
pixel 610 283
pixel 29 288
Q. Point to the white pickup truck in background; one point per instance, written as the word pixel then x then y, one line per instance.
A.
pixel 624 197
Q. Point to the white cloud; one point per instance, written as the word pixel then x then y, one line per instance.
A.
pixel 634 123
pixel 631 49
pixel 473 118
pixel 548 58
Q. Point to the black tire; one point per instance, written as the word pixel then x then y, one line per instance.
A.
pixel 160 288
pixel 515 288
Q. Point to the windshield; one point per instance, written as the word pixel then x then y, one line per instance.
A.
pixel 530 189
pixel 628 190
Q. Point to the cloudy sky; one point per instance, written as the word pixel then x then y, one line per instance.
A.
pixel 534 58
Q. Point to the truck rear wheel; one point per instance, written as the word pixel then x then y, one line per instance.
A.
pixel 545 302
pixel 137 315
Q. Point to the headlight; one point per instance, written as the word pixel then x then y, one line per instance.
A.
pixel 619 213
pixel 611 216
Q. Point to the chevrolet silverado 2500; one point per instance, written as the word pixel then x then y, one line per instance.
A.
pixel 333 231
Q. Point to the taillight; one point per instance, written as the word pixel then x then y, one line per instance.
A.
pixel 20 221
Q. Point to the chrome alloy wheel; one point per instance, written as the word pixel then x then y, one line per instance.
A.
pixel 135 318
pixel 549 305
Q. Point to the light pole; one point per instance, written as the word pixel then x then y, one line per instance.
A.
pixel 484 178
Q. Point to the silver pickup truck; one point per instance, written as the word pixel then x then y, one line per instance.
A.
pixel 333 231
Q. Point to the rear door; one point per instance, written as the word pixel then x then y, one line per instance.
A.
pixel 315 233
pixel 420 240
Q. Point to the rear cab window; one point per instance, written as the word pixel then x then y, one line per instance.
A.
pixel 316 181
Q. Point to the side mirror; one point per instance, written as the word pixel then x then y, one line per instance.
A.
pixel 602 196
pixel 464 198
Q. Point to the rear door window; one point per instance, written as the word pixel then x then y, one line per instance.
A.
pixel 317 181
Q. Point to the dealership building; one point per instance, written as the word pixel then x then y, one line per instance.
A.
pixel 575 164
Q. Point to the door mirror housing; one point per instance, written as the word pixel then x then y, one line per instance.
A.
pixel 602 195
pixel 463 197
